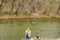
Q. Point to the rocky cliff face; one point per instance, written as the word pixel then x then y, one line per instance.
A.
pixel 41 7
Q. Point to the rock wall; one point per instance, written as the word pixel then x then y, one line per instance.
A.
pixel 41 7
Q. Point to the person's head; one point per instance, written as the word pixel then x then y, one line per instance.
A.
pixel 28 28
pixel 37 37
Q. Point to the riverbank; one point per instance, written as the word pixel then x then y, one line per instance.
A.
pixel 26 16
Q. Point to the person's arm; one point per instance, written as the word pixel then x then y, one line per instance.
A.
pixel 30 33
pixel 26 31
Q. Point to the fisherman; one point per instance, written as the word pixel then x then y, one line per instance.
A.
pixel 28 34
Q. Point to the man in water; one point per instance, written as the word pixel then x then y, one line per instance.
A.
pixel 28 34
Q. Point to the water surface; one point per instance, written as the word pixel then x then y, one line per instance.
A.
pixel 14 29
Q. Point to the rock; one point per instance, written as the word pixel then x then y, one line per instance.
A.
pixel 40 7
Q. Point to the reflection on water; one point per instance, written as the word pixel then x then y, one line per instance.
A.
pixel 14 29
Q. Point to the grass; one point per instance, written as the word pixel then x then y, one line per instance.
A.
pixel 14 29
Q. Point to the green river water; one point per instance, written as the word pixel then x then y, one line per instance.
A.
pixel 14 29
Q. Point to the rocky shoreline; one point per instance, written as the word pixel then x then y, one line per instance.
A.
pixel 33 38
pixel 47 38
